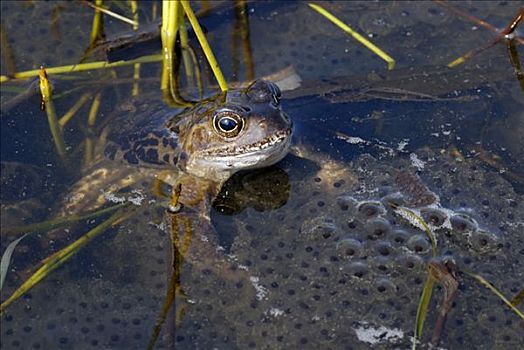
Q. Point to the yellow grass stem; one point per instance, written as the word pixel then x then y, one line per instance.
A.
pixel 168 34
pixel 82 67
pixel 518 298
pixel 184 43
pixel 102 9
pixel 418 222
pixel 97 27
pixel 154 10
pixel 241 12
pixel 205 45
pixel 422 309
pixel 198 76
pixel 91 120
pixel 136 66
pixel 75 108
pixel 56 260
pixel 169 79
pixel 47 103
pixel 377 51
pixel 59 222
pixel 7 52
pixel 501 296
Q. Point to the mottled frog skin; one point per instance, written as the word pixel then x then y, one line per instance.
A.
pixel 198 150
pixel 237 130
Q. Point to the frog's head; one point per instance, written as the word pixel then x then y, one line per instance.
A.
pixel 241 129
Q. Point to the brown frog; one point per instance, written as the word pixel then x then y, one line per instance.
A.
pixel 197 151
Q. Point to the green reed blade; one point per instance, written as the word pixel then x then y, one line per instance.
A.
pixel 46 92
pixel 6 259
pixel 495 291
pixel 82 67
pixel 422 309
pixel 376 50
pixel 57 259
pixel 205 45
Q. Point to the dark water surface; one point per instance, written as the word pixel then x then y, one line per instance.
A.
pixel 329 263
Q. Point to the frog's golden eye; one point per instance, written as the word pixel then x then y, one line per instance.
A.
pixel 228 123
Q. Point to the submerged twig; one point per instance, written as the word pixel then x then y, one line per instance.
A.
pixel 21 97
pixel 444 273
pixel 507 33
pixel 515 62
pixel 174 289
pixel 184 45
pixel 241 34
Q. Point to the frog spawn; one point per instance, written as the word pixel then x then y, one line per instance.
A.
pixel 334 262
pixel 112 302
pixel 337 259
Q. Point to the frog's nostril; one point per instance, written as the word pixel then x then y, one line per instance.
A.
pixel 262 124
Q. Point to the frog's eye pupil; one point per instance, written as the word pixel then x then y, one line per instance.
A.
pixel 227 124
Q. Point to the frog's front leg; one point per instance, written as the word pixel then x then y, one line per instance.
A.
pixel 194 238
pixel 192 232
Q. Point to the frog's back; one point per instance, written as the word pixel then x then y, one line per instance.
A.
pixel 137 135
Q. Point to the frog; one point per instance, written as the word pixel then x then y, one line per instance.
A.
pixel 188 155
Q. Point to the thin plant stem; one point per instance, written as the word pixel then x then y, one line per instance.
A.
pixel 97 28
pixel 507 33
pixel 59 258
pixel 47 103
pixel 74 109
pixel 91 120
pixel 82 67
pixel 495 291
pixel 241 12
pixel 102 9
pixel 376 50
pixel 136 67
pixel 59 222
pixel 205 45
pixel 184 43
pixel 7 52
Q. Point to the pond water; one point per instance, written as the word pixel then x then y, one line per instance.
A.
pixel 326 257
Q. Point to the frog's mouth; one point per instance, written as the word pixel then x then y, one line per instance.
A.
pixel 221 162
pixel 270 143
